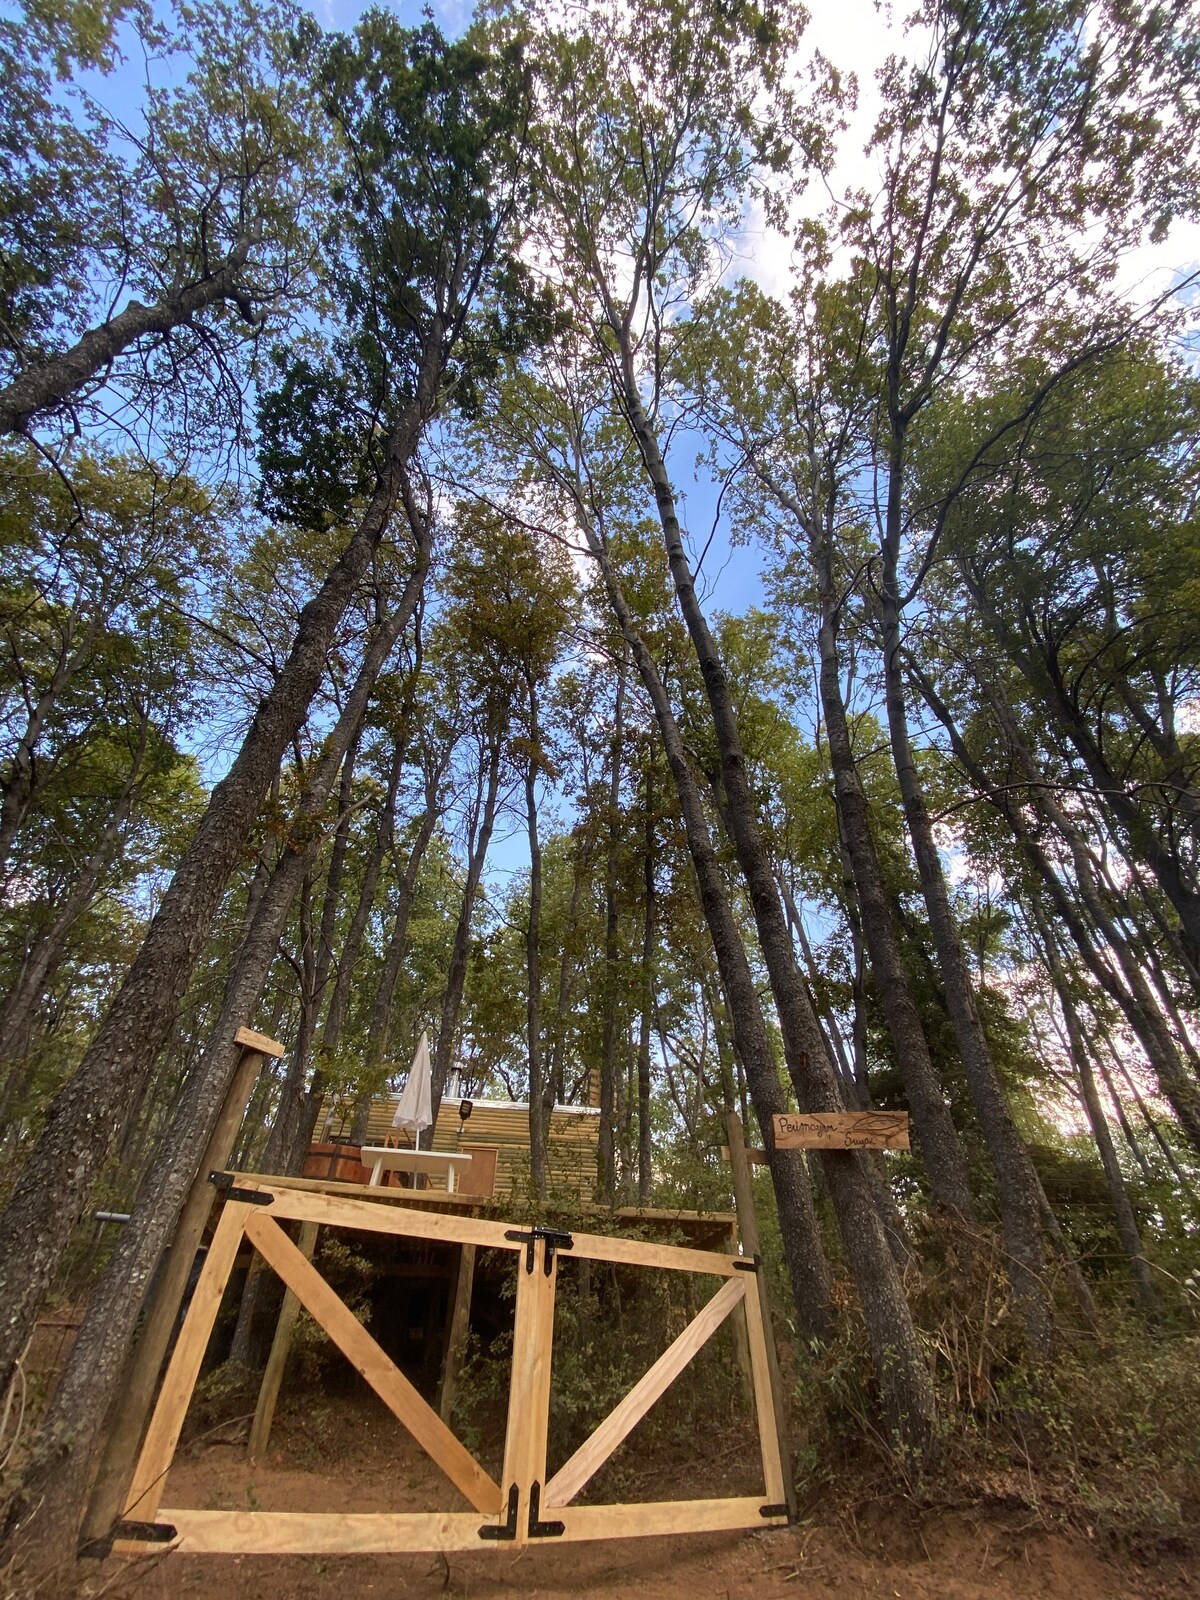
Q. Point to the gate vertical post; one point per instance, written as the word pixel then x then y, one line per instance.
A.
pixel 768 1383
pixel 529 1390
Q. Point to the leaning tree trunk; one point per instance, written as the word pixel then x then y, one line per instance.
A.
pixel 89 1113
pixel 800 1232
pixel 1016 1184
pixel 67 1441
pixel 1132 996
pixel 1127 1228
pixel 937 1137
pixel 905 1383
pixel 46 384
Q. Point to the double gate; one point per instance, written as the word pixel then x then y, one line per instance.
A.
pixel 524 1506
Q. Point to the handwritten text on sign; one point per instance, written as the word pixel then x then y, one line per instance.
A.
pixel 842 1130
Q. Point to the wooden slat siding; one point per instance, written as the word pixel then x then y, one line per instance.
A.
pixel 572 1140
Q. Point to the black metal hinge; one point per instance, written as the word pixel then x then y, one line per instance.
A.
pixel 775 1511
pixel 136 1532
pixel 508 1528
pixel 537 1528
pixel 248 1197
pixel 554 1241
pixel 747 1263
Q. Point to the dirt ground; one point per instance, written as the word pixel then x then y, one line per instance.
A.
pixel 354 1457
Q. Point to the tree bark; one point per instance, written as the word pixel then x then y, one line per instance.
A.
pixel 68 1437
pixel 456 975
pixel 88 1114
pixel 649 933
pixel 905 1384
pixel 1016 1184
pixel 533 959
pixel 46 385
pixel 937 1137
pixel 1127 1228
pixel 606 1157
pixel 802 1246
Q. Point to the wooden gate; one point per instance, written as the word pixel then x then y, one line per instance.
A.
pixel 524 1506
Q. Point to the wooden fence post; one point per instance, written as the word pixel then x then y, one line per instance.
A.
pixel 268 1392
pixel 743 1196
pixel 464 1282
pixel 137 1390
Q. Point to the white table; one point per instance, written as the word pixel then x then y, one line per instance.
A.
pixel 443 1162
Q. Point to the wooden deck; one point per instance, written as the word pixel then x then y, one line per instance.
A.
pixel 703 1230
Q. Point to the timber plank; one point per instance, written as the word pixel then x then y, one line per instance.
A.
pixel 388 1382
pixel 318 1533
pixel 596 1449
pixel 644 1253
pixel 529 1386
pixel 281 1344
pixel 145 1489
pixel 370 1217
pixel 662 1516
pixel 249 1040
pixel 764 1399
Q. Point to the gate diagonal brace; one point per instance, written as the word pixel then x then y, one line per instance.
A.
pixel 554 1239
pixel 537 1528
pixel 508 1528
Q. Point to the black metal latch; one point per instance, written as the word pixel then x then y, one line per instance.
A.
pixel 554 1241
pixel 537 1528
pixel 508 1528
pixel 134 1532
pixel 247 1197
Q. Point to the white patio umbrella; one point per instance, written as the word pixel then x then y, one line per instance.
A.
pixel 415 1110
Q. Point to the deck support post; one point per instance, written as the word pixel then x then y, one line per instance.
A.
pixel 464 1283
pixel 285 1327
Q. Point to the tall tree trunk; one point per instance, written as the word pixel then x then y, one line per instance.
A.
pixel 66 1445
pixel 88 1114
pixel 456 975
pixel 937 1137
pixel 533 958
pixel 1127 1228
pixel 282 1144
pixel 1016 1183
pixel 1133 995
pixel 606 1157
pixel 649 933
pixel 802 1246
pixel 567 972
pixel 905 1384
pixel 380 1028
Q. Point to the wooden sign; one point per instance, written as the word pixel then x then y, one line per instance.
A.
pixel 841 1130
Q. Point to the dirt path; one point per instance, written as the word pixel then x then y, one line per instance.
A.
pixel 355 1457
